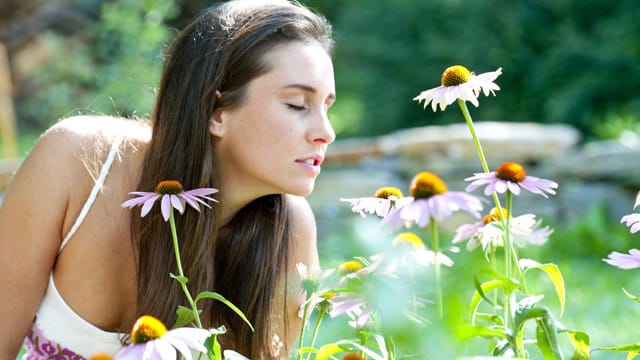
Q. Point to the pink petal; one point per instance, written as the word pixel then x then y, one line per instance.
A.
pixel 148 205
pixel 176 202
pixel 165 206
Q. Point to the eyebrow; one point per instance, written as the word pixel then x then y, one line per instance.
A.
pixel 308 88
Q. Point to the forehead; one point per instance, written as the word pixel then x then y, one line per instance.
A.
pixel 300 62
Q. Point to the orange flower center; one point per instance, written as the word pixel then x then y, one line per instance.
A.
pixel 101 356
pixel 455 75
pixel 511 171
pixel 386 192
pixel 173 187
pixel 352 356
pixel 147 328
pixel 426 184
pixel 350 266
pixel 494 215
pixel 409 239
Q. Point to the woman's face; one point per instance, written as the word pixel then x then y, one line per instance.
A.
pixel 275 141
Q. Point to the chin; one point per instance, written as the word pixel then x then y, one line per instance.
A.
pixel 302 190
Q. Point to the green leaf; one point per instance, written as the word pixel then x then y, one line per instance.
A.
pixel 327 350
pixel 222 299
pixel 555 275
pixel 185 316
pixel 631 296
pixel 635 348
pixel 482 289
pixel 469 331
pixel 580 341
pixel 546 339
pixel 181 279
pixel 214 352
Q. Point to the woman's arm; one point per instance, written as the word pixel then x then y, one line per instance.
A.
pixel 32 216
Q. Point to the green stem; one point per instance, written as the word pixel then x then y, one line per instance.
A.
pixel 315 330
pixel 512 249
pixel 305 314
pixel 476 142
pixel 183 281
pixel 435 247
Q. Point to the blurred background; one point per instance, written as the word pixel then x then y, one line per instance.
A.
pixel 570 62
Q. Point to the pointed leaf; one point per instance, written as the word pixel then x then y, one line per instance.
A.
pixel 628 347
pixel 328 350
pixel 222 299
pixel 480 293
pixel 580 341
pixel 631 296
pixel 185 316
pixel 547 340
pixel 469 331
pixel 555 275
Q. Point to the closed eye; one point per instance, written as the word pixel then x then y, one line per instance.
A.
pixel 296 107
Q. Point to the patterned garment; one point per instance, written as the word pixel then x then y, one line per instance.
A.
pixel 38 347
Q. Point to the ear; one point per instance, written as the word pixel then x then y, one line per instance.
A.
pixel 216 124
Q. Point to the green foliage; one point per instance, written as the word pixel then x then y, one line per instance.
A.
pixel 568 61
pixel 110 69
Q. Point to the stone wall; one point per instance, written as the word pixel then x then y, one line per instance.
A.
pixel 603 172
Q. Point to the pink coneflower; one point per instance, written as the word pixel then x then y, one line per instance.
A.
pixel 489 232
pixel 172 195
pixel 510 176
pixel 152 341
pixel 624 261
pixel 459 83
pixel 430 199
pixel 380 204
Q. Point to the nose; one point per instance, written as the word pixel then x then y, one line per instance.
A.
pixel 321 132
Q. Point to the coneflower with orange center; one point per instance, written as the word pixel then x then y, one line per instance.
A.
pixel 510 176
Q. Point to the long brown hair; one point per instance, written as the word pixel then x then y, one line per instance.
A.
pixel 220 52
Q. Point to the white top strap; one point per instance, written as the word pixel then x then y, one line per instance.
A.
pixel 94 191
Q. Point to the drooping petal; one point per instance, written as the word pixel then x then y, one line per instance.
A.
pixel 624 261
pixel 148 205
pixel 165 206
pixel 131 352
pixel 193 338
pixel 176 202
pixel 137 201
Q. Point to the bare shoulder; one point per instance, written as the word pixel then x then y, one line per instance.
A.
pixel 303 231
pixel 81 130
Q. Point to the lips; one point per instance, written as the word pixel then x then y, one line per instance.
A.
pixel 314 160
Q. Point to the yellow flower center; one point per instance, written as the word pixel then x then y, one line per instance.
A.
pixel 328 295
pixel 455 75
pixel 494 215
pixel 101 356
pixel 426 184
pixel 511 171
pixel 350 266
pixel 352 356
pixel 147 328
pixel 409 239
pixel 386 192
pixel 173 187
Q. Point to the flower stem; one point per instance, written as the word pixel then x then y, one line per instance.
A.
pixel 305 314
pixel 315 330
pixel 476 142
pixel 435 247
pixel 511 248
pixel 182 281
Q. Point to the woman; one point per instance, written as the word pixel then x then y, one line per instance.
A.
pixel 241 107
